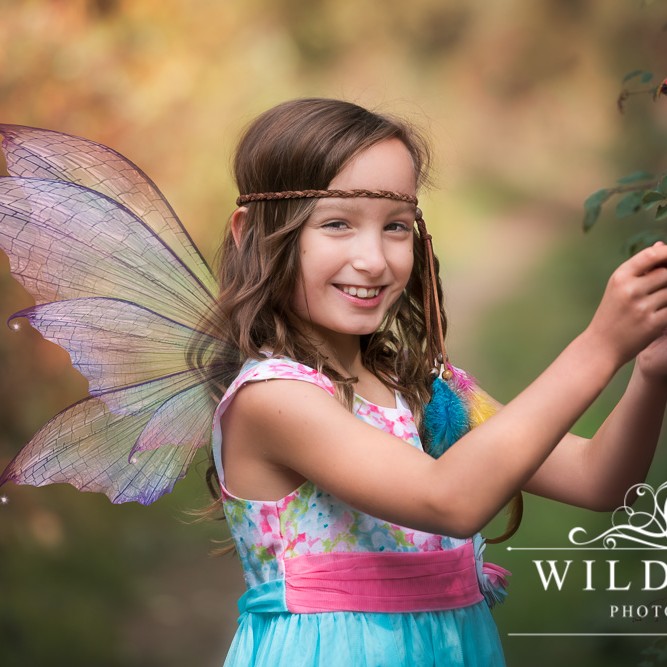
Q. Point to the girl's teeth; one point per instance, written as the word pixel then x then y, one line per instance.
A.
pixel 362 292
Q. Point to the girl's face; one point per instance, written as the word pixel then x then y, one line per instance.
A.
pixel 356 254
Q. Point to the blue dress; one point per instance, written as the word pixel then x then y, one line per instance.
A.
pixel 444 619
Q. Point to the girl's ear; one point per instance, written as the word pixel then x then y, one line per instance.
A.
pixel 237 223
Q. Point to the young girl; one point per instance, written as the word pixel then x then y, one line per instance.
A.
pixel 358 548
pixel 355 518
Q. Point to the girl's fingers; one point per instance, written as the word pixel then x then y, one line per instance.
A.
pixel 647 259
pixel 654 280
pixel 657 301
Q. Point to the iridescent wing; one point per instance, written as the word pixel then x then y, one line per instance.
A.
pixel 36 153
pixel 120 286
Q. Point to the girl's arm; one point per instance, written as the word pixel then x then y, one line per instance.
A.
pixel 597 473
pixel 287 425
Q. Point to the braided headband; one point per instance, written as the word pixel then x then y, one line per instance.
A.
pixel 323 194
pixel 434 331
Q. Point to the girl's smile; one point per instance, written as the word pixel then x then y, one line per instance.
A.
pixel 363 297
pixel 356 254
pixel 361 292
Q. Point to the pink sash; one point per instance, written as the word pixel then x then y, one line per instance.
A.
pixel 382 582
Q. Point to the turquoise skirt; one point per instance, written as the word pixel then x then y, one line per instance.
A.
pixel 455 638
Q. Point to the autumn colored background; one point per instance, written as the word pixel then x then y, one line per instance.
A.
pixel 520 101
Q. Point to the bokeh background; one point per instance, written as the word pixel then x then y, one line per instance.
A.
pixel 519 98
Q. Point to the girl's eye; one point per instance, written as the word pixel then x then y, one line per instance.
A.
pixel 398 227
pixel 335 224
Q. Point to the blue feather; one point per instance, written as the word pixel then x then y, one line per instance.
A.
pixel 445 418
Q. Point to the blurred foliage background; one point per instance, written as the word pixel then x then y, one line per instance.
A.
pixel 520 101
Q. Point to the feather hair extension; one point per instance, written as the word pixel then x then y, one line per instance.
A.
pixel 456 406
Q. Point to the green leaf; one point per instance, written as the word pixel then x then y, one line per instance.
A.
pixel 597 198
pixel 591 216
pixel 661 213
pixel 635 177
pixel 644 76
pixel 632 75
pixel 629 205
pixel 663 185
pixel 652 197
pixel 593 207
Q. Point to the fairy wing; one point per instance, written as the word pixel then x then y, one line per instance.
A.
pixel 65 241
pixel 37 153
pixel 121 287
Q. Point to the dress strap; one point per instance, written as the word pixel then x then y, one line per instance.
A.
pixel 256 370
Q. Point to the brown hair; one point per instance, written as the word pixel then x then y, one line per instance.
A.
pixel 302 145
pixel 297 145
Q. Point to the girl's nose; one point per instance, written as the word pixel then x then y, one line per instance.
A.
pixel 369 256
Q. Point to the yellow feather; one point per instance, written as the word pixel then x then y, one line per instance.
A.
pixel 482 406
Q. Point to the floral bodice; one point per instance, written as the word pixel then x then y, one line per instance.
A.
pixel 309 520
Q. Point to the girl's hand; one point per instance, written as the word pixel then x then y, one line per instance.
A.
pixel 633 311
pixel 652 361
